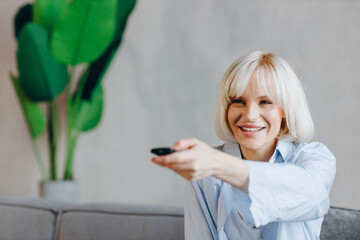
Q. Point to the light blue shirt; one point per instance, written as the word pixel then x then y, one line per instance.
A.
pixel 288 197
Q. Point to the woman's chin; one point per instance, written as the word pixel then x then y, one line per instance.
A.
pixel 249 144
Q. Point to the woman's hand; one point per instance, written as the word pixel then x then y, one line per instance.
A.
pixel 193 160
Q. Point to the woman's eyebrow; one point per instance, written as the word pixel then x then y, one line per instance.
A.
pixel 237 97
pixel 244 98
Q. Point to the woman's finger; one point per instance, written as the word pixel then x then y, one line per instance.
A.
pixel 191 170
pixel 158 162
pixel 184 166
pixel 186 144
pixel 178 157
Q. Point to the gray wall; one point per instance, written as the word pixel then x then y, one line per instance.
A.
pixel 162 86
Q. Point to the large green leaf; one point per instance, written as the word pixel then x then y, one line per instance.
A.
pixel 97 70
pixel 32 112
pixel 88 113
pixel 124 9
pixel 99 67
pixel 84 30
pixel 47 12
pixel 23 16
pixel 41 77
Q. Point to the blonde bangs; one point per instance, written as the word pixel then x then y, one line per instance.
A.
pixel 266 77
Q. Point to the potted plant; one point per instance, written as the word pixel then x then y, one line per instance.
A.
pixel 55 39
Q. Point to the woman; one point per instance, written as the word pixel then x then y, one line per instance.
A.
pixel 266 181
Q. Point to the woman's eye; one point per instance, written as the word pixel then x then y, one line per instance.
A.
pixel 265 102
pixel 238 101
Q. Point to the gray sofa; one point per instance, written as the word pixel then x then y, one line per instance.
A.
pixel 37 219
pixel 43 219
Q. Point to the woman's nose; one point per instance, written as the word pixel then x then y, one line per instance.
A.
pixel 251 113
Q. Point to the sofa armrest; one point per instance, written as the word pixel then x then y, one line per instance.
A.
pixel 341 224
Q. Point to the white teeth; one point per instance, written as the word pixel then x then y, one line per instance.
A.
pixel 251 129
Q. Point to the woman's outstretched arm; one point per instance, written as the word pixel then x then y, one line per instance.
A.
pixel 292 191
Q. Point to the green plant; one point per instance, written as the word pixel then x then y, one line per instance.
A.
pixel 54 37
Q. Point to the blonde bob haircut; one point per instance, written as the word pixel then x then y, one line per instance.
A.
pixel 276 76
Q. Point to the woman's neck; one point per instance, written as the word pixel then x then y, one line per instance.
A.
pixel 261 155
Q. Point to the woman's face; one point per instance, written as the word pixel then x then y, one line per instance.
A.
pixel 255 120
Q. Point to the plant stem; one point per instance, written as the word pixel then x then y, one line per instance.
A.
pixel 69 159
pixel 39 159
pixel 35 147
pixel 68 163
pixel 53 129
pixel 72 131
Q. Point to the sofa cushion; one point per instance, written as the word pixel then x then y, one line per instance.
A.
pixel 115 221
pixel 341 224
pixel 28 218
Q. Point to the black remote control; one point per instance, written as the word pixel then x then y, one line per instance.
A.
pixel 162 151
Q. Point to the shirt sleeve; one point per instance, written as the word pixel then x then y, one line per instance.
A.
pixel 292 191
pixel 198 221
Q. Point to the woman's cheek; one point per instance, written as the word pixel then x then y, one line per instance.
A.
pixel 233 115
pixel 275 118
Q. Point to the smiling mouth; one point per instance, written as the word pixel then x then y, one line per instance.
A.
pixel 247 129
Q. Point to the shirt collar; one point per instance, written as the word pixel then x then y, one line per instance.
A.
pixel 283 148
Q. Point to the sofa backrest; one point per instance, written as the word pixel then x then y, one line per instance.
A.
pixel 29 218
pixel 121 221
pixel 51 220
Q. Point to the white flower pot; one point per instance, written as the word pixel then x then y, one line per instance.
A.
pixel 66 191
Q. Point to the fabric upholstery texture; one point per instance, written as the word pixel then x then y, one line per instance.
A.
pixel 28 218
pixel 341 224
pixel 22 218
pixel 116 221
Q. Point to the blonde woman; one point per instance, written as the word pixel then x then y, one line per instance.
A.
pixel 267 181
